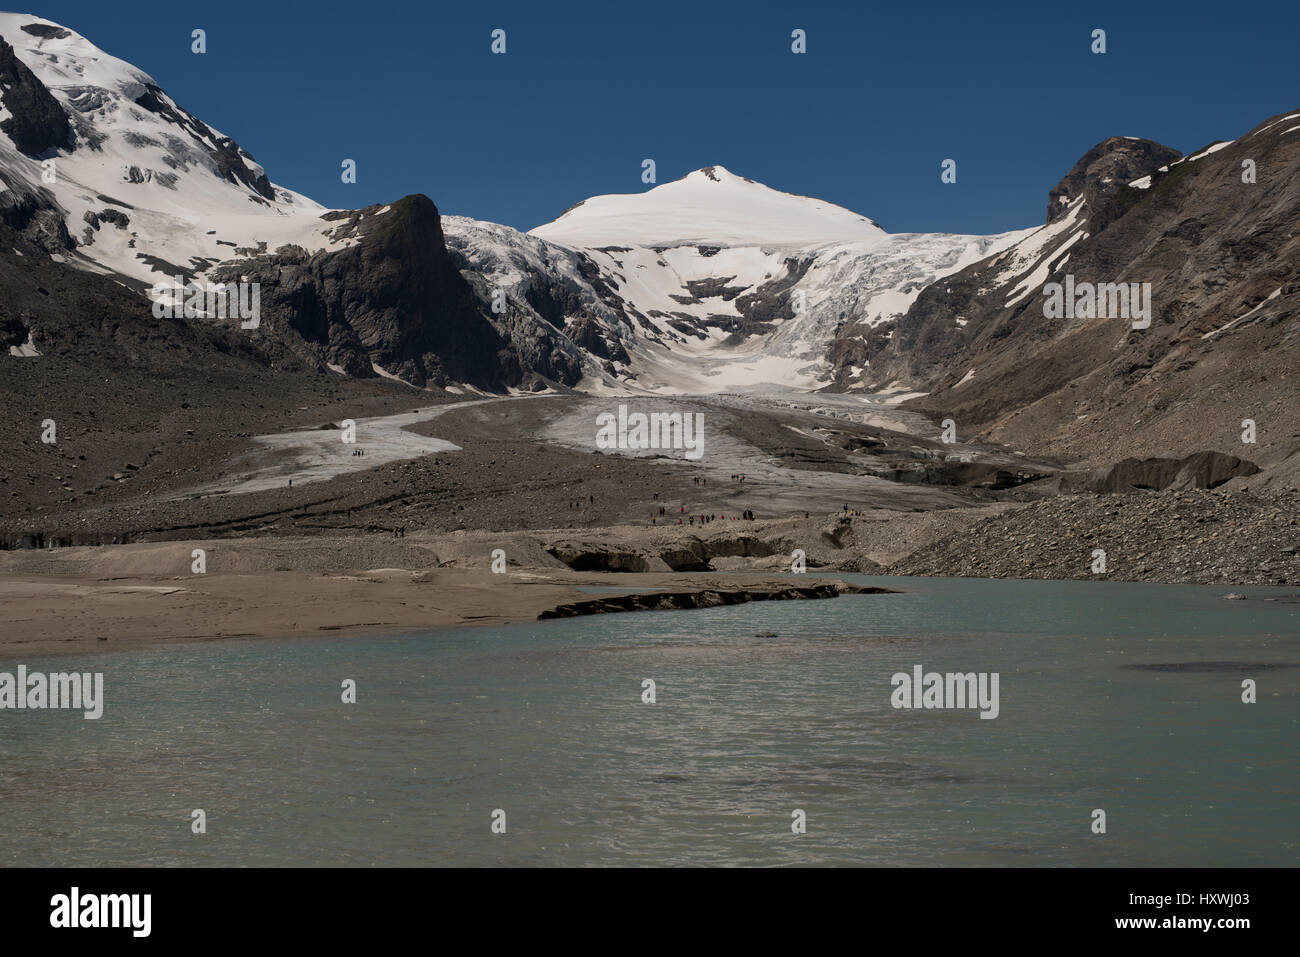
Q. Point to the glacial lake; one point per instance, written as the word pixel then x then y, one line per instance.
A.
pixel 1121 697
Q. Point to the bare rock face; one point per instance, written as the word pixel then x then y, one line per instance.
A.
pixel 33 212
pixel 729 545
pixel 1200 470
pixel 1104 171
pixel 34 119
pixel 49 231
pixel 593 557
pixel 689 555
pixel 45 31
pixel 585 332
pixel 394 299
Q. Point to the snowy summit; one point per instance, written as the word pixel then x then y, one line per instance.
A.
pixel 710 205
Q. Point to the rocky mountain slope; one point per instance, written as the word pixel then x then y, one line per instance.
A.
pixel 109 175
pixel 1213 234
pixel 1206 537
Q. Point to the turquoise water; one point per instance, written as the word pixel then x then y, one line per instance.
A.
pixel 1123 697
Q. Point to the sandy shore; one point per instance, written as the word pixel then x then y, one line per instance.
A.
pixel 88 599
pixel 108 602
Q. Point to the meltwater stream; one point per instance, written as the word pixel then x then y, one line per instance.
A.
pixel 1121 697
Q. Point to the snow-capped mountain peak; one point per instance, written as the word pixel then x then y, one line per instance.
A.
pixel 711 205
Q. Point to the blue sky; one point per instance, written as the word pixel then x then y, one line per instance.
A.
pixel 587 90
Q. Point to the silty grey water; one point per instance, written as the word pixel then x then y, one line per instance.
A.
pixel 1123 697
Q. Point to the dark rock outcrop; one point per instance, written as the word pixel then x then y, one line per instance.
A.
pixel 35 121
pixel 32 211
pixel 394 298
pixel 706 598
pixel 586 332
pixel 1104 171
pixel 46 31
pixel 689 556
